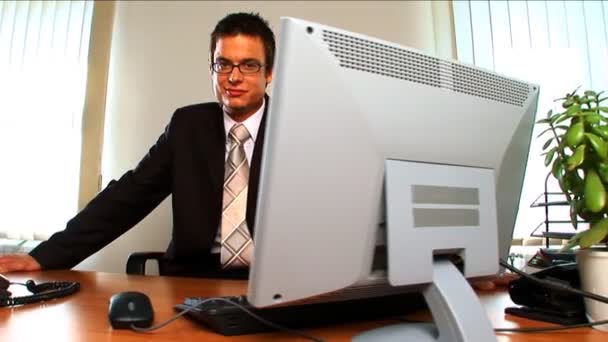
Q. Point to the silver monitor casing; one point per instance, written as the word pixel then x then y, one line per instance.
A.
pixel 344 103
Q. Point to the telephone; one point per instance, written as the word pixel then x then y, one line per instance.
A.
pixel 4 284
pixel 549 305
pixel 40 292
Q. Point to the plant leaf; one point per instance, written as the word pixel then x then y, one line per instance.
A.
pixel 573 109
pixel 549 157
pixel 548 143
pixel 575 90
pixel 576 183
pixel 595 234
pixel 585 114
pixel 602 131
pixel 575 134
pixel 549 129
pixel 574 241
pixel 593 119
pixel 598 145
pixel 557 169
pixel 590 93
pixel 577 158
pixel 603 109
pixel 562 127
pixel 595 192
pixel 564 184
pixel 559 118
pixel 573 213
pixel 544 121
pixel 602 170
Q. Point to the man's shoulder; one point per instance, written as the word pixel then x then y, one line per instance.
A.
pixel 198 109
pixel 196 116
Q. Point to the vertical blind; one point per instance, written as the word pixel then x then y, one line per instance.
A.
pixel 43 63
pixel 559 45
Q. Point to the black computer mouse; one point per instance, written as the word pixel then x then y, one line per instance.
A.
pixel 130 308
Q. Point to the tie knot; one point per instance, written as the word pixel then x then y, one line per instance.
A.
pixel 239 133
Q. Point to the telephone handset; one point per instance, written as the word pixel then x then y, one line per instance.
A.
pixel 4 284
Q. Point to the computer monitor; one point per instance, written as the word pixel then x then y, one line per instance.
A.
pixel 374 146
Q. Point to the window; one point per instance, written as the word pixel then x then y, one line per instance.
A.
pixel 43 64
pixel 557 44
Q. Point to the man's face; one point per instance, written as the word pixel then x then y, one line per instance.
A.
pixel 241 94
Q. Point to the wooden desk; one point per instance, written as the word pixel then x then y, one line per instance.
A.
pixel 83 316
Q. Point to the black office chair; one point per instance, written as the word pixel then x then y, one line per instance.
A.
pixel 136 264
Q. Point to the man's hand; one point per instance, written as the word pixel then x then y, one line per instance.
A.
pixel 18 262
pixel 491 283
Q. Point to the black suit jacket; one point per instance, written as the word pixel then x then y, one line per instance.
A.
pixel 187 161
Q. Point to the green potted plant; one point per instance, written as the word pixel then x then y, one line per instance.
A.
pixel 577 151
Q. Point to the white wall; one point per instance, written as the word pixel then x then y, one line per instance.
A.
pixel 159 61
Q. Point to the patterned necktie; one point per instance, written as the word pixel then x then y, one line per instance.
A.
pixel 236 243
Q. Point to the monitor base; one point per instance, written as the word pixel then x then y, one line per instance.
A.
pixel 458 314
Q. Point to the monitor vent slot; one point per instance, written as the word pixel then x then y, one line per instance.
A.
pixel 487 85
pixel 386 60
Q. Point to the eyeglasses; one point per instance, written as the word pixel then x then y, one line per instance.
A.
pixel 224 67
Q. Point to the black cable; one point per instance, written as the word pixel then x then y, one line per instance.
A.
pixel 40 292
pixel 542 282
pixel 244 309
pixel 555 286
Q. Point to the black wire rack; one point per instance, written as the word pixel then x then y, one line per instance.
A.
pixel 543 230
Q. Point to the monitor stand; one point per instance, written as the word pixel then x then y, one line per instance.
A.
pixel 458 315
pixel 457 312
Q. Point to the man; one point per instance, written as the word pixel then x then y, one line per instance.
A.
pixel 208 159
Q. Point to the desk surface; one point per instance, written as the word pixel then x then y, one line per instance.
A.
pixel 83 316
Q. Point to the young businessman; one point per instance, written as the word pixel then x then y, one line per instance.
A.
pixel 208 159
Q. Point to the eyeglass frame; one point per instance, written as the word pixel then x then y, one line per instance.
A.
pixel 238 66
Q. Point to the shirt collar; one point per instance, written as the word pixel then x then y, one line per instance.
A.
pixel 252 123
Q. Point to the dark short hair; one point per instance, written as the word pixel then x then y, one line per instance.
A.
pixel 248 24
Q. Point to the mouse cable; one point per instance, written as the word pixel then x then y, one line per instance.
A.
pixel 244 309
pixel 542 282
pixel 555 286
